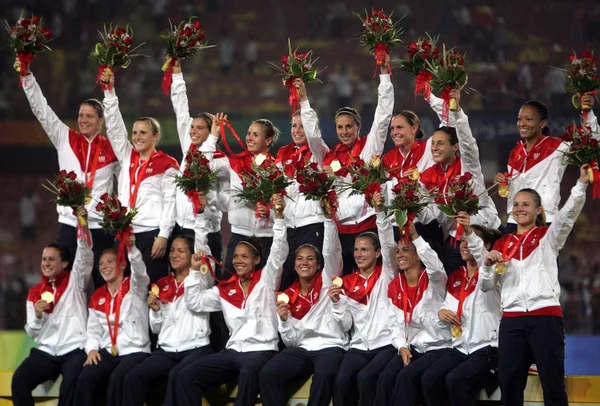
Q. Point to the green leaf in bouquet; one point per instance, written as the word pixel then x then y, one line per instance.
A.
pixel 296 70
pixel 447 210
pixel 401 217
pixel 309 76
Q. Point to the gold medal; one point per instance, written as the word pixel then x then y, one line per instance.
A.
pixel 456 331
pixel 114 351
pixel 503 191
pixel 88 200
pixel 47 297
pixel 154 289
pixel 282 297
pixel 337 281
pixel 414 175
pixel 501 268
pixel 203 269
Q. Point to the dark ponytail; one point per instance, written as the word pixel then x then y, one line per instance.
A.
pixel 487 234
pixel 543 111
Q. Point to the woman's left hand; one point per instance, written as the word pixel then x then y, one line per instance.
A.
pixel 278 205
pixel 463 218
pixel 584 176
pixel 197 260
pixel 159 248
pixel 587 99
pixel 455 93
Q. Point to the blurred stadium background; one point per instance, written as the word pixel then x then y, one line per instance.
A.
pixel 513 49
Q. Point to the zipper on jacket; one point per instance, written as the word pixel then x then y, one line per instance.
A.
pixel 523 293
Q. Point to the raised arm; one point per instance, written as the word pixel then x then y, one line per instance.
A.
pixel 139 277
pixel 433 265
pixel 279 251
pixel 332 253
pixel 82 264
pixel 388 245
pixel 565 218
pixel 181 106
pixel 381 123
pixel 310 122
pixel 116 131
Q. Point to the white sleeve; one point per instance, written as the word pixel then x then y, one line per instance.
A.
pixel 116 131
pixel 488 278
pixel 565 219
pixel 179 100
pixel 476 247
pixel 93 333
pixel 33 326
pixel 201 244
pixel 279 252
pixel 592 122
pixel 82 265
pixel 397 329
pixel 310 122
pixel 221 165
pixel 433 265
pixel 167 215
pixel 332 253
pixel 383 115
pixel 57 131
pixel 197 297
pixel 155 319
pixel 139 277
pixel 436 104
pixel 388 245
pixel 341 313
pixel 290 334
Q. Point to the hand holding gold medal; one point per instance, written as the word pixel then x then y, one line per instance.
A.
pixel 47 297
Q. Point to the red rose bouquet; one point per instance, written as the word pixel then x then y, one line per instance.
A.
pixel 448 73
pixel 417 53
pixel 183 41
pixel 116 220
pixel 460 196
pixel 380 35
pixel 196 178
pixel 28 37
pixel 71 193
pixel 367 177
pixel 318 186
pixel 582 77
pixel 261 181
pixel 293 66
pixel 115 49
pixel 408 201
pixel 584 150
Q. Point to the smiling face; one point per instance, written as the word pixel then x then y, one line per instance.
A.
pixel 406 255
pixel 52 265
pixel 347 129
pixel 442 150
pixel 298 134
pixel 529 123
pixel 307 263
pixel 109 267
pixel 365 254
pixel 402 133
pixel 525 210
pixel 199 131
pixel 142 137
pixel 180 255
pixel 465 254
pixel 256 139
pixel 88 121
pixel 245 259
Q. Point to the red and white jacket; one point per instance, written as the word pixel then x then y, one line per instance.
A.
pixel 62 327
pixel 132 334
pixel 94 161
pixel 415 324
pixel 310 324
pixel 298 211
pixel 155 200
pixel 364 300
pixel 178 328
pixel 251 318
pixel 183 206
pixel 530 285
pixel 351 208
pixel 541 169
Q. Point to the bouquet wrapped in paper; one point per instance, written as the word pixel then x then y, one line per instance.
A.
pixel 367 177
pixel 448 73
pixel 261 181
pixel 28 37
pixel 71 193
pixel 184 41
pixel 584 150
pixel 380 34
pixel 116 220
pixel 460 196
pixel 115 50
pixel 318 186
pixel 296 65
pixel 415 63
pixel 582 77
pixel 407 203
pixel 196 178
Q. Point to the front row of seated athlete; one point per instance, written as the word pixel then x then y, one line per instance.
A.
pixel 375 336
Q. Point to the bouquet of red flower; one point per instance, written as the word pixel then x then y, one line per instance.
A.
pixel 460 196
pixel 71 193
pixel 584 150
pixel 448 73
pixel 417 54
pixel 196 178
pixel 114 50
pixel 116 220
pixel 407 203
pixel 293 66
pixel 183 41
pixel 28 37
pixel 582 77
pixel 380 35
pixel 261 181
pixel 367 177
pixel 318 186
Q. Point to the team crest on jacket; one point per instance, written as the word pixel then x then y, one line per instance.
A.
pixel 232 292
pixel 457 283
pixel 101 301
pixel 101 158
pixel 536 155
pixel 166 288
